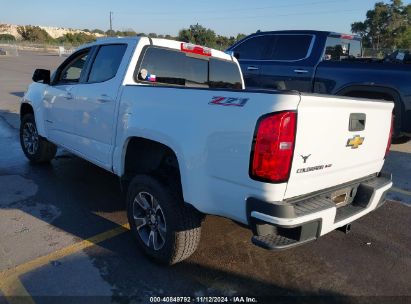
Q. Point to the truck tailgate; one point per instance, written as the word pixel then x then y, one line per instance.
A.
pixel 328 151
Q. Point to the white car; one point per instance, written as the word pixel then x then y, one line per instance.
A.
pixel 174 122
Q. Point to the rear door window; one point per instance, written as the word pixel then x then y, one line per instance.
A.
pixel 163 66
pixel 106 63
pixel 290 47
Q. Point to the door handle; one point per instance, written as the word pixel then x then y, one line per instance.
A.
pixel 104 98
pixel 252 68
pixel 68 95
pixel 298 71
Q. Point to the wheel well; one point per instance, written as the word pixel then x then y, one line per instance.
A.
pixel 25 108
pixel 370 95
pixel 144 156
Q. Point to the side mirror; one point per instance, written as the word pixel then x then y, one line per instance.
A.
pixel 41 75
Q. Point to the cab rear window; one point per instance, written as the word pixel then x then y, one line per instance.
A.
pixel 340 48
pixel 160 66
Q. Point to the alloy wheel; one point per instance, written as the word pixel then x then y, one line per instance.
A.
pixel 149 220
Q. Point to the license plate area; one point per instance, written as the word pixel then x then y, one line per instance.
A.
pixel 343 197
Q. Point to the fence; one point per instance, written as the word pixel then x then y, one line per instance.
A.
pixel 13 48
pixel 380 53
pixel 8 50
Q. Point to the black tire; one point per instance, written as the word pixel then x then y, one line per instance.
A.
pixel 40 150
pixel 396 132
pixel 182 223
pixel 400 140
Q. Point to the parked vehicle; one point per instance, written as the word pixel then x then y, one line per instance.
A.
pixel 398 56
pixel 173 121
pixel 326 63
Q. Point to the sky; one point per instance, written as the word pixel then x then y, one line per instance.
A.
pixel 225 17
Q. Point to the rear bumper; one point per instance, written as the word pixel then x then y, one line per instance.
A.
pixel 281 225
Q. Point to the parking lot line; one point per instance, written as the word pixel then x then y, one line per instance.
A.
pixel 10 284
pixel 15 292
pixel 402 191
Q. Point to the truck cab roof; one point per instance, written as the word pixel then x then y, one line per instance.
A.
pixel 167 43
pixel 322 35
pixel 299 32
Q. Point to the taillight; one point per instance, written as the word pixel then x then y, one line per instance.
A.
pixel 273 147
pixel 195 49
pixel 387 150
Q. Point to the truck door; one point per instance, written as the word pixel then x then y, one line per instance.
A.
pixel 59 99
pixel 94 117
pixel 288 65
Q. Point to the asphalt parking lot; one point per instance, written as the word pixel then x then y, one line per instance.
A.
pixel 63 233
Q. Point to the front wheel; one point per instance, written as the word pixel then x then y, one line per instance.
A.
pixel 36 148
pixel 166 228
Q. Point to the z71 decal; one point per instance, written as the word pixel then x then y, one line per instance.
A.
pixel 228 101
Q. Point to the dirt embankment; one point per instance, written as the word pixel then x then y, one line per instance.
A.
pixel 54 32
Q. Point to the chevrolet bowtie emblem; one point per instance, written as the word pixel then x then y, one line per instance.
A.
pixel 355 142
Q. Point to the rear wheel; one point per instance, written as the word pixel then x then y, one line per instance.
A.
pixel 36 148
pixel 166 228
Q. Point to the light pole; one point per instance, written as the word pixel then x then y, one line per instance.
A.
pixel 111 23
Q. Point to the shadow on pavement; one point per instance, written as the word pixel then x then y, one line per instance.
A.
pixel 89 202
pixel 83 200
pixel 399 164
pixel 18 94
pixel 401 140
pixel 134 279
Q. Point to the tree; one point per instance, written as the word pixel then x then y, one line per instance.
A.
pixel 403 41
pixel 240 36
pixel 386 26
pixel 110 33
pixel 76 38
pixel 34 34
pixel 7 37
pixel 97 31
pixel 199 35
pixel 185 35
pixel 128 32
pixel 222 42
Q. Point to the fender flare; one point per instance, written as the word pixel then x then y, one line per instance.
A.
pixel 398 108
pixel 38 117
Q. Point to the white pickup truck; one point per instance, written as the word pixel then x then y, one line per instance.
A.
pixel 174 122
